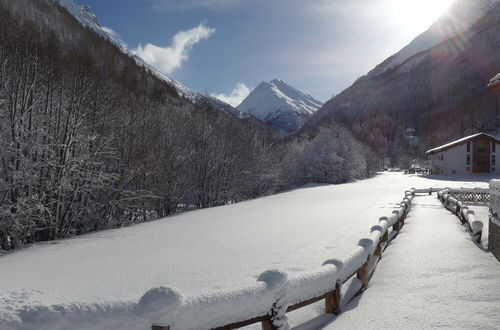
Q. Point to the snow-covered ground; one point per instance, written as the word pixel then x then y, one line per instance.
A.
pixel 432 276
pixel 209 250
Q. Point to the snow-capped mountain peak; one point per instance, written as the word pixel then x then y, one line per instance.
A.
pixel 280 104
pixel 86 16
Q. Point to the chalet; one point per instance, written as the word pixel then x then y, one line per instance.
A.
pixel 472 154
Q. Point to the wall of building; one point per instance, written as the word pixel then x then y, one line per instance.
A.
pixel 455 160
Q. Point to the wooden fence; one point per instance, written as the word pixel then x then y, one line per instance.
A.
pixel 451 200
pixel 494 224
pixel 354 271
pixel 474 196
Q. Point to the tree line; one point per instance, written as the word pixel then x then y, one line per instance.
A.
pixel 89 140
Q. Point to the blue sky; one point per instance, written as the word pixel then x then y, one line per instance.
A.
pixel 318 46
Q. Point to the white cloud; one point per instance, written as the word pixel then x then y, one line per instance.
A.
pixel 237 95
pixel 168 58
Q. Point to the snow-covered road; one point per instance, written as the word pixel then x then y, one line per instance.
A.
pixel 208 250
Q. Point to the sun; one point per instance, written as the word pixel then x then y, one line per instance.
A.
pixel 417 15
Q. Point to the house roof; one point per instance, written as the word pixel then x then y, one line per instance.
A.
pixel 461 141
pixel 495 81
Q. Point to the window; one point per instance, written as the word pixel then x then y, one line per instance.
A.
pixel 493 160
pixel 468 146
pixel 493 169
pixel 468 169
pixel 482 150
pixel 468 159
pixel 493 147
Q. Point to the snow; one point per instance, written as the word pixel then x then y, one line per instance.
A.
pixel 312 284
pixel 460 17
pixel 86 16
pixel 432 277
pixel 495 196
pixel 495 81
pixel 271 100
pixel 212 257
pixel 209 311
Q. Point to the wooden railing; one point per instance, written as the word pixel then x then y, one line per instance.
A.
pixel 495 198
pixel 284 295
pixel 494 224
pixel 451 200
pixel 475 196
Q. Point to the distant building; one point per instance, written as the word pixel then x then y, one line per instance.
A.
pixel 472 154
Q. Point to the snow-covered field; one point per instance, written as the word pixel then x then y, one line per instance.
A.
pixel 208 250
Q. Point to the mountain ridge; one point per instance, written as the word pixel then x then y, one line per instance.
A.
pixel 460 17
pixel 87 17
pixel 441 93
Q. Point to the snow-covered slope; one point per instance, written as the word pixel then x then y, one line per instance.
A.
pixel 279 104
pixel 461 15
pixel 86 16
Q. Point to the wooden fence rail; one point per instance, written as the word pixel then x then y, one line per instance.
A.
pixel 356 269
pixel 451 200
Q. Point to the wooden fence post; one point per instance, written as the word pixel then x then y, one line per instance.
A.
pixel 268 324
pixel 378 251
pixel 363 275
pixel 385 237
pixel 463 214
pixel 333 300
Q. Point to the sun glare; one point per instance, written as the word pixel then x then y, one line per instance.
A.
pixel 417 15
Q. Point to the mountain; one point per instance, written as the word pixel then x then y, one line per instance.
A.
pixel 91 140
pixel 86 16
pixel 280 105
pixel 459 17
pixel 440 93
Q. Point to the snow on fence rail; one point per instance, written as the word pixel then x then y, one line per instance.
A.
pixel 451 200
pixel 336 282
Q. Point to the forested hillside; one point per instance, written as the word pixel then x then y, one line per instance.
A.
pixel 439 94
pixel 89 140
